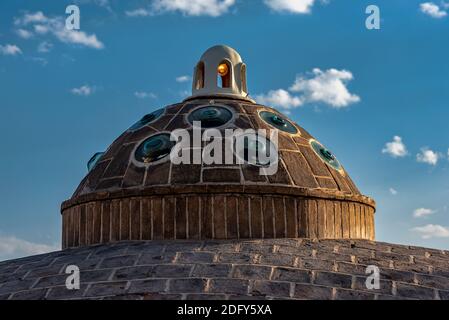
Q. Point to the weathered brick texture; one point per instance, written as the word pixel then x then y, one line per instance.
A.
pixel 124 199
pixel 268 215
pixel 237 269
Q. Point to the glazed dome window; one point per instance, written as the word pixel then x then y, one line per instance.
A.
pixel 278 122
pixel 94 160
pixel 147 119
pixel 211 116
pixel 154 148
pixel 255 150
pixel 325 155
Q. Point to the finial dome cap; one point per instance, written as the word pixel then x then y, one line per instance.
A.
pixel 220 72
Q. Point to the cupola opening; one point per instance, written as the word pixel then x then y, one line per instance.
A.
pixel 224 75
pixel 199 76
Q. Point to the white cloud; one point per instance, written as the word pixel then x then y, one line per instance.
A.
pixel 395 148
pixel 433 10
pixel 31 18
pixel 12 247
pixel 213 8
pixel 104 4
pixel 55 26
pixel 293 6
pixel 279 98
pixel 432 231
pixel 328 87
pixel 428 156
pixel 183 79
pixel 144 95
pixel 83 91
pixel 44 47
pixel 25 34
pixel 140 12
pixel 10 50
pixel 393 191
pixel 78 37
pixel 422 212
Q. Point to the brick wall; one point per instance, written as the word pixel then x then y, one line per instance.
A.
pixel 216 216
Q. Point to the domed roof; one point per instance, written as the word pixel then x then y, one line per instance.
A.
pixel 229 270
pixel 135 191
pixel 301 164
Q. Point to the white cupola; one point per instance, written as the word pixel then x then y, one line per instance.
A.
pixel 220 72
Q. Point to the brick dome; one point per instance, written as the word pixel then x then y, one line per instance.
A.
pixel 230 270
pixel 134 192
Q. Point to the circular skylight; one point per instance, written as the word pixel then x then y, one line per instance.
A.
pixel 147 119
pixel 278 122
pixel 154 148
pixel 211 116
pixel 325 155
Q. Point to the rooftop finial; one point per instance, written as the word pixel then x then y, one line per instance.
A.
pixel 220 72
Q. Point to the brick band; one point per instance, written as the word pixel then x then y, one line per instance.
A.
pixel 215 216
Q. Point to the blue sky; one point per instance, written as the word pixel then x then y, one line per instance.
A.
pixel 66 96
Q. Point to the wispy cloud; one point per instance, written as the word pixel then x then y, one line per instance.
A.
pixel 41 61
pixel 428 156
pixel 144 95
pixel 292 6
pixel 423 212
pixel 213 8
pixel 44 47
pixel 10 50
pixel 433 10
pixel 139 12
pixel 25 34
pixel 393 191
pixel 183 79
pixel 12 247
pixel 84 90
pixel 30 18
pixel 395 148
pixel 43 25
pixel 432 231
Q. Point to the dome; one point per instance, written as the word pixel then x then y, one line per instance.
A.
pixel 135 191
pixel 266 269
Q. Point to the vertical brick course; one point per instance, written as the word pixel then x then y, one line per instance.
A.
pixel 215 216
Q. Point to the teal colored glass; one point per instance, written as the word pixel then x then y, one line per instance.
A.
pixel 278 122
pixel 154 148
pixel 94 160
pixel 211 116
pixel 147 119
pixel 326 155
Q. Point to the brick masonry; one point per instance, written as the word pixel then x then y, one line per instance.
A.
pixel 231 269
pixel 123 200
pixel 298 166
pixel 218 216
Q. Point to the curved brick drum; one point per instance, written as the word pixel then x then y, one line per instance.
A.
pixel 229 269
